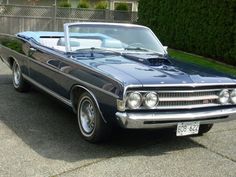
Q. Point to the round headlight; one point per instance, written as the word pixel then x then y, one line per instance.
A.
pixel 233 96
pixel 151 100
pixel 224 96
pixel 134 100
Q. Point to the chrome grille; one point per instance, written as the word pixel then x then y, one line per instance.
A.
pixel 187 93
pixel 186 99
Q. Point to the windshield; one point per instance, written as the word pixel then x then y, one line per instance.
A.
pixel 113 37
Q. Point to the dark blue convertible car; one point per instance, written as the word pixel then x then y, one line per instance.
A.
pixel 118 74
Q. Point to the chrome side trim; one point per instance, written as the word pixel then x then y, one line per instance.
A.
pixel 156 119
pixel 91 93
pixel 50 92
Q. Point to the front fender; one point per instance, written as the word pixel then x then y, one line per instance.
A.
pixel 106 103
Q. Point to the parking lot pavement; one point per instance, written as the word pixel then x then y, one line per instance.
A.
pixel 39 137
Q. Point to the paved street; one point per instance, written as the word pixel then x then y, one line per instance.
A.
pixel 39 137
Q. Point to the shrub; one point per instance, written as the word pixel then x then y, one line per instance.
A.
pixel 64 3
pixel 122 6
pixel 202 27
pixel 101 5
pixel 83 4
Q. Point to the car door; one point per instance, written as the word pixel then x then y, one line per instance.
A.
pixel 44 69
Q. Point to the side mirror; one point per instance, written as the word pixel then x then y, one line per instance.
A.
pixel 165 48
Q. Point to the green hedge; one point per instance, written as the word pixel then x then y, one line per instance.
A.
pixel 205 27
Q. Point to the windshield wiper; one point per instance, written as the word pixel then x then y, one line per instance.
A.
pixel 96 49
pixel 137 48
pixel 93 51
pixel 151 52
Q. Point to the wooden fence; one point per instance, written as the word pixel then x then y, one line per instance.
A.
pixel 16 18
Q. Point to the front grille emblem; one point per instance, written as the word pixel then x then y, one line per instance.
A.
pixel 206 101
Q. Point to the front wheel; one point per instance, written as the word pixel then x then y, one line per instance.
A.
pixel 205 128
pixel 18 81
pixel 92 126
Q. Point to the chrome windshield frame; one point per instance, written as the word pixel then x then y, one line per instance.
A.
pixel 66 35
pixel 68 25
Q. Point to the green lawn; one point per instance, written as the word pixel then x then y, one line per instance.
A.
pixel 202 61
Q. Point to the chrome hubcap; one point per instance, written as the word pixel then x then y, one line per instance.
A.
pixel 16 74
pixel 87 116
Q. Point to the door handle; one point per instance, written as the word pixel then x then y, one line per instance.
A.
pixel 32 49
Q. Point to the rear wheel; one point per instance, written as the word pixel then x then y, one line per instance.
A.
pixel 18 81
pixel 92 126
pixel 205 128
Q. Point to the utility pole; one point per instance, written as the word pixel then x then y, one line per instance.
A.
pixel 109 4
pixel 54 15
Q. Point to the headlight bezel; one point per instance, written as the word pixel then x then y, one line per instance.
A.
pixel 145 99
pixel 233 100
pixel 222 94
pixel 128 97
pixel 142 103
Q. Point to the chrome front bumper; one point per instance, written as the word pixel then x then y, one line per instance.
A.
pixel 170 119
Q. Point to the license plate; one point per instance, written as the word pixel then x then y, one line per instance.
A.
pixel 187 128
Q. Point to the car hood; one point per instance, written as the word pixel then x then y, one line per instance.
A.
pixel 131 72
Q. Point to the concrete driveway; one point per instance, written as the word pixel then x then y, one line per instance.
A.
pixel 39 137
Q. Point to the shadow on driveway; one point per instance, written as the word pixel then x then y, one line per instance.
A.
pixel 5 79
pixel 50 129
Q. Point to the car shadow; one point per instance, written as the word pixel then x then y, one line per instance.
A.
pixel 50 129
pixel 5 79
